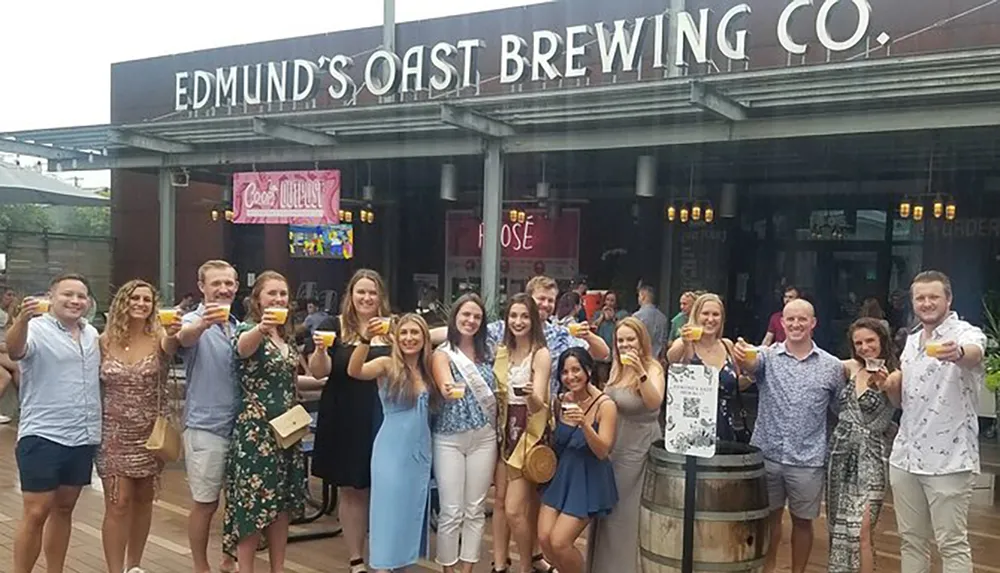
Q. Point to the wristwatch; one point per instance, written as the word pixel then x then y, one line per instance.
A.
pixel 643 378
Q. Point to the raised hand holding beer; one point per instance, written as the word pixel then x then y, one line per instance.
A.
pixel 33 306
pixel 216 313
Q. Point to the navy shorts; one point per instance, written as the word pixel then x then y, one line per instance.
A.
pixel 44 465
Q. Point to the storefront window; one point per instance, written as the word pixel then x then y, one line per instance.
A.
pixel 831 225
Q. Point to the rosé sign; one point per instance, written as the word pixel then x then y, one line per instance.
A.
pixel 286 197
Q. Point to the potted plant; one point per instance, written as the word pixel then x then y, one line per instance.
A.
pixel 991 362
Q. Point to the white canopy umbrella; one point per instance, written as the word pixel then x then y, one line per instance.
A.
pixel 26 185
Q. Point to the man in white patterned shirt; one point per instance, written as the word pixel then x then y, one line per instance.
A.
pixel 935 457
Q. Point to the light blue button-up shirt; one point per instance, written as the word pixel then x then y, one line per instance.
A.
pixel 795 396
pixel 60 384
pixel 210 401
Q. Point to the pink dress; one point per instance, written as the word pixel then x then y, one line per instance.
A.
pixel 131 393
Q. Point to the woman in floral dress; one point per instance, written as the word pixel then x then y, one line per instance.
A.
pixel 857 473
pixel 135 354
pixel 265 485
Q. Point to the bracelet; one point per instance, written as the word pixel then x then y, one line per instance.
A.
pixel 643 378
pixel 961 352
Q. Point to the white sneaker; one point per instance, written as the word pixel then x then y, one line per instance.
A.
pixel 5 419
pixel 136 570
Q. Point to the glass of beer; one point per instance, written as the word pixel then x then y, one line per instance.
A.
pixel 625 359
pixel 751 352
pixel 520 390
pixel 224 310
pixel 385 324
pixel 279 314
pixel 874 364
pixel 575 329
pixel 694 333
pixel 933 348
pixel 328 337
pixel 44 304
pixel 168 316
pixel 567 406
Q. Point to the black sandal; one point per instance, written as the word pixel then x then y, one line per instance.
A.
pixel 536 559
pixel 493 567
pixel 356 563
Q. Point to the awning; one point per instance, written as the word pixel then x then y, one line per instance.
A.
pixel 26 185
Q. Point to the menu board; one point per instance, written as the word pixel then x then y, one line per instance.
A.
pixel 692 408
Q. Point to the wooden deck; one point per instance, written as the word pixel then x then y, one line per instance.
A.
pixel 167 550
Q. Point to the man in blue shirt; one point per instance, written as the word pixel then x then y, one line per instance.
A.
pixel 210 401
pixel 60 428
pixel 798 382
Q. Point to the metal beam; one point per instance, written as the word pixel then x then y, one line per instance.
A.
pixel 710 100
pixel 475 122
pixel 240 155
pixel 292 133
pixel 493 179
pixel 18 147
pixel 147 142
pixel 168 234
pixel 854 123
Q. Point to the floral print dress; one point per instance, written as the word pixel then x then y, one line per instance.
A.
pixel 262 480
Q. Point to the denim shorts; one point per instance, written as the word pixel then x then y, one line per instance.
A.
pixel 45 465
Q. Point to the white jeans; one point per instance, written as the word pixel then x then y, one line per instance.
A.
pixel 463 468
pixel 932 507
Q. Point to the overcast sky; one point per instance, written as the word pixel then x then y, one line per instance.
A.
pixel 56 59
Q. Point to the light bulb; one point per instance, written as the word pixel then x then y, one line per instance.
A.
pixel 950 211
pixel 684 215
pixel 918 212
pixel 513 215
pixel 215 215
pixel 521 216
pixel 229 214
pixel 904 209
pixel 371 217
pixel 671 213
pixel 348 216
pixel 938 208
pixel 709 214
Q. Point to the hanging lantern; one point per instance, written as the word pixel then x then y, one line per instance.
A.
pixel 348 216
pixel 513 215
pixel 709 214
pixel 918 212
pixel 696 212
pixel 950 210
pixel 938 207
pixel 684 214
pixel 904 208
pixel 371 217
pixel 215 214
pixel 671 213
pixel 229 215
pixel 521 216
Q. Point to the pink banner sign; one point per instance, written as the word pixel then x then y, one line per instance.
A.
pixel 286 197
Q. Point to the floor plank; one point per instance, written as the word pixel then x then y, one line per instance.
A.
pixel 167 550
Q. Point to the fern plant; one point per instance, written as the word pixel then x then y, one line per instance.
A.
pixel 991 312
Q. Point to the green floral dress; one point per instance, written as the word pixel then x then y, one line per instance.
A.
pixel 262 480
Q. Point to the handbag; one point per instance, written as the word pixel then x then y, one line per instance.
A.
pixel 744 434
pixel 165 439
pixel 290 427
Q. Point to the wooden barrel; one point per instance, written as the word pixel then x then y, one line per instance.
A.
pixel 732 527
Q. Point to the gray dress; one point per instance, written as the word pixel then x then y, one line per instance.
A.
pixel 614 540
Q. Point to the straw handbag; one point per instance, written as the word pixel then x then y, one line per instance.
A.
pixel 291 426
pixel 165 439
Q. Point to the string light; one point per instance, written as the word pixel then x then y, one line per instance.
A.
pixel 938 207
pixel 684 214
pixel 709 214
pixel 950 210
pixel 904 208
pixel 671 213
pixel 918 213
pixel 696 212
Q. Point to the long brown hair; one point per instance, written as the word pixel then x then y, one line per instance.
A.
pixel 479 338
pixel 254 311
pixel 117 330
pixel 537 332
pixel 645 350
pixel 884 341
pixel 352 327
pixel 400 386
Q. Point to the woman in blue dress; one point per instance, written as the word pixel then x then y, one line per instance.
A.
pixel 584 483
pixel 401 456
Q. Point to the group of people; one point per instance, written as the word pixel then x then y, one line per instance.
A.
pixel 515 404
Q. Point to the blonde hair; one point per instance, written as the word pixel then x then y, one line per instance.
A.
pixel 212 265
pixel 400 386
pixel 540 283
pixel 117 330
pixel 700 303
pixel 645 352
pixel 254 311
pixel 352 327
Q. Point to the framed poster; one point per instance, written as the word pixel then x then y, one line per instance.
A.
pixel 321 241
pixel 692 410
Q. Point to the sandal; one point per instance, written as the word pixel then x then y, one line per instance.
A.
pixel 535 559
pixel 493 567
pixel 358 566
